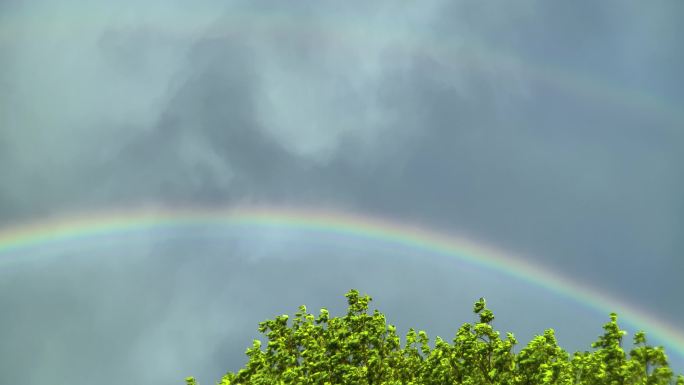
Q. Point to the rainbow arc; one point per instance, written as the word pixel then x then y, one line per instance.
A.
pixel 20 239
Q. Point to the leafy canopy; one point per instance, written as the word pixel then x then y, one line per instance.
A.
pixel 361 348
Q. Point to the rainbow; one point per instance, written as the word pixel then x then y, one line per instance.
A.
pixel 75 228
pixel 346 34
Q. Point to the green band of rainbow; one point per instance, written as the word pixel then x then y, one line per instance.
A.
pixel 75 228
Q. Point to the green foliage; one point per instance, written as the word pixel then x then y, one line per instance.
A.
pixel 360 348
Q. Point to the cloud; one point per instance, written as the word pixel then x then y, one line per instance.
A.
pixel 545 129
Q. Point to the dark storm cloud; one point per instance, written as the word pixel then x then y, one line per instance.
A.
pixel 441 114
pixel 562 177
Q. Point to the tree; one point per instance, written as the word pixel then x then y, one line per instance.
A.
pixel 361 348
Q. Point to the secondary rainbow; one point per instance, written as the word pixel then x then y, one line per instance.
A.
pixel 340 32
pixel 75 228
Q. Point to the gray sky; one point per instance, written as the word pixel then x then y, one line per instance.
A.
pixel 552 130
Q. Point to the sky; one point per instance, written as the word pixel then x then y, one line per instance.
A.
pixel 550 130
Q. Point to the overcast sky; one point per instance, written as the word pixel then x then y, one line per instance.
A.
pixel 549 129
